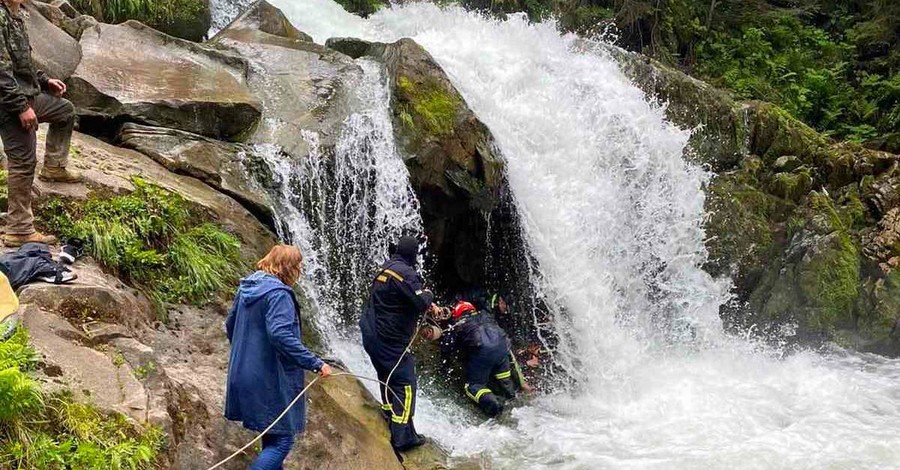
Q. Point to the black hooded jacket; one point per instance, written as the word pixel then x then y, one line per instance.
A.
pixel 473 332
pixel 398 297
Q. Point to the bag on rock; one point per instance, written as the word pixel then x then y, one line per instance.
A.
pixel 31 263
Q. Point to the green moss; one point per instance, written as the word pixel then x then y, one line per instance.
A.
pixel 153 239
pixel 830 284
pixel 4 191
pixel 51 431
pixel 743 224
pixel 792 186
pixel 362 8
pixel 430 105
pixel 777 133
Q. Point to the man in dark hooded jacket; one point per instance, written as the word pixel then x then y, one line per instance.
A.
pixel 388 325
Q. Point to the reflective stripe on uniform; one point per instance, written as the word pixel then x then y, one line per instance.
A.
pixel 381 278
pixel 393 274
pixel 520 378
pixel 407 407
pixel 480 393
pixel 504 375
pixel 387 407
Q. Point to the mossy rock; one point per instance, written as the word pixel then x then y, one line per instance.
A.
pixel 879 313
pixel 363 8
pixel 774 133
pixel 792 186
pixel 816 282
pixel 745 227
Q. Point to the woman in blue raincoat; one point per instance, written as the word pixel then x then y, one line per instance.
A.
pixel 268 359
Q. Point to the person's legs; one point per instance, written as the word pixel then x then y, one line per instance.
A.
pixel 276 448
pixel 19 145
pixel 502 375
pixel 403 405
pixel 478 374
pixel 60 113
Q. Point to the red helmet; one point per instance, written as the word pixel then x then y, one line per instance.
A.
pixel 461 308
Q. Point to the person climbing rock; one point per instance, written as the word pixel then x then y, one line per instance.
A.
pixel 388 326
pixel 265 369
pixel 27 97
pixel 484 348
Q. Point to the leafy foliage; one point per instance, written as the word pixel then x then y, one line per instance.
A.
pixel 362 8
pixel 153 239
pixel 178 17
pixel 833 64
pixel 53 432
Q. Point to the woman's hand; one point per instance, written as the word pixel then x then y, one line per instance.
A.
pixel 325 371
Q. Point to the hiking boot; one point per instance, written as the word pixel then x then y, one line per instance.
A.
pixel 15 240
pixel 59 175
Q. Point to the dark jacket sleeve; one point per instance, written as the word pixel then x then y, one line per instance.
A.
pixel 280 314
pixel 229 322
pixel 412 289
pixel 12 100
pixel 43 80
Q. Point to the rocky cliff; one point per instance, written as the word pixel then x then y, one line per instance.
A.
pixel 173 123
pixel 805 226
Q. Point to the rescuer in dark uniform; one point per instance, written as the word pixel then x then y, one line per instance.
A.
pixel 484 350
pixel 388 324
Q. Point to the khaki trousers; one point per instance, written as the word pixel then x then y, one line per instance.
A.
pixel 21 155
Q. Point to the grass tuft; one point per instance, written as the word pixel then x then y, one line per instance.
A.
pixel 152 239
pixel 53 432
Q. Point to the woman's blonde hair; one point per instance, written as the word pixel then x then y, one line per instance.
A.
pixel 283 262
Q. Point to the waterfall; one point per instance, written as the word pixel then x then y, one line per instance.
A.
pixel 613 216
pixel 342 210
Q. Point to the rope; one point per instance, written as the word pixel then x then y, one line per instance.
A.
pixel 387 389
pixel 291 405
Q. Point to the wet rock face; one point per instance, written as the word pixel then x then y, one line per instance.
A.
pixel 800 224
pixel 265 18
pixel 53 50
pixel 216 163
pixel 451 156
pixel 131 72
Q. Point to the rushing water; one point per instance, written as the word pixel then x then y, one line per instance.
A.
pixel 613 216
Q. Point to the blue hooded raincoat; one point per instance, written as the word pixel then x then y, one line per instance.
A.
pixel 267 357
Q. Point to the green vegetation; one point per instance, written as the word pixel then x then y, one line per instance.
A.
pixel 51 431
pixel 4 190
pixel 431 103
pixel 154 240
pixel 183 18
pixel 362 8
pixel 832 64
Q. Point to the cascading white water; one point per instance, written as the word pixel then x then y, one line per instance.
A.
pixel 613 215
pixel 224 11
pixel 342 211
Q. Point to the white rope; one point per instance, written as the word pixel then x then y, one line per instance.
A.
pixel 283 413
pixel 387 388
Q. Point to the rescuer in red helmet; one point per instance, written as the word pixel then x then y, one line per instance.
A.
pixel 484 349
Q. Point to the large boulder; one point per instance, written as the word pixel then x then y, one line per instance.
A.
pixel 130 72
pixel 218 164
pixel 54 51
pixel 265 18
pixel 303 86
pixel 452 158
pixel 111 169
